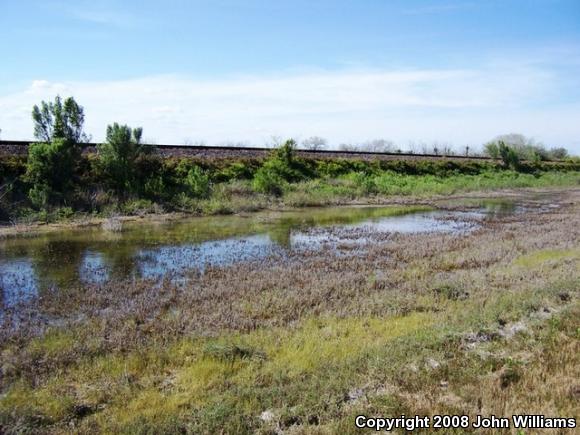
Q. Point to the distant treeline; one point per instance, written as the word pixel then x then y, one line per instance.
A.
pixel 56 174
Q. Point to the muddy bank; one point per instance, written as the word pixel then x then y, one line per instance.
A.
pixel 436 201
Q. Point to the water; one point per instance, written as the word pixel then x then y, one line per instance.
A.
pixel 68 258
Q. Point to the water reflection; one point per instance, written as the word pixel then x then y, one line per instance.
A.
pixel 488 207
pixel 174 260
pixel 94 268
pixel 29 266
pixel 17 281
pixel 417 223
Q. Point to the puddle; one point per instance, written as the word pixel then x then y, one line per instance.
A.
pixel 65 259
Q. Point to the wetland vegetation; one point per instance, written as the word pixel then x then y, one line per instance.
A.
pixel 444 287
pixel 206 187
pixel 479 316
pixel 57 181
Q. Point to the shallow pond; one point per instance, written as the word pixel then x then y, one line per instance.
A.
pixel 30 266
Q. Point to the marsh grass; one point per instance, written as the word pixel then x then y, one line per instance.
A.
pixel 482 322
pixel 238 195
pixel 228 188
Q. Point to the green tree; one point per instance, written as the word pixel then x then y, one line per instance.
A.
pixel 509 156
pixel 59 120
pixel 118 156
pixel 50 171
pixel 51 164
pixel 286 152
pixel 492 150
pixel 524 147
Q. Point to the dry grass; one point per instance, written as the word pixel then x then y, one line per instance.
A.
pixel 410 324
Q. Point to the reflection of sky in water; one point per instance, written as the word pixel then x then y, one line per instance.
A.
pixel 17 281
pixel 93 268
pixel 414 223
pixel 411 223
pixel 100 259
pixel 175 260
pixel 157 262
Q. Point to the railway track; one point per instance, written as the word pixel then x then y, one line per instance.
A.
pixel 19 148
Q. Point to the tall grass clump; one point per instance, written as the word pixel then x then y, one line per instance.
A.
pixel 278 170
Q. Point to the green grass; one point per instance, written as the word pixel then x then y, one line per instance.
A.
pixel 227 187
pixel 314 351
pixel 200 366
pixel 538 258
pixel 361 187
pixel 355 186
pixel 227 382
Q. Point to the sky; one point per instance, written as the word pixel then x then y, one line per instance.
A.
pixel 224 71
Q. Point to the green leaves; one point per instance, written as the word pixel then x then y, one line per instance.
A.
pixel 509 156
pixel 197 182
pixel 59 120
pixel 51 163
pixel 281 168
pixel 268 180
pixel 50 170
pixel 117 157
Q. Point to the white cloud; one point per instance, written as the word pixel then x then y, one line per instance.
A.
pixel 459 106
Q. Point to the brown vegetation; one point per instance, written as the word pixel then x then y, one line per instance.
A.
pixel 480 322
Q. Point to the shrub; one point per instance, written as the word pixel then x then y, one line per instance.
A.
pixel 363 182
pixel 64 213
pixel 118 156
pixel 268 181
pixel 50 170
pixel 236 188
pixel 140 206
pixel 151 176
pixel 280 168
pixel 5 191
pixel 235 171
pixel 333 168
pixel 154 187
pixel 184 202
pixel 508 156
pixel 197 183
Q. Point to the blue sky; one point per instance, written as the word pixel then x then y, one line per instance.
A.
pixel 452 71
